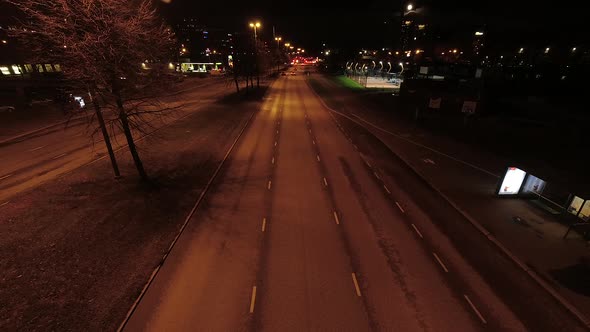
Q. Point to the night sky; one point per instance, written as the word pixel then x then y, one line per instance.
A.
pixel 375 23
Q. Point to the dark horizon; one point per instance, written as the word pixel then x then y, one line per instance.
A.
pixel 375 24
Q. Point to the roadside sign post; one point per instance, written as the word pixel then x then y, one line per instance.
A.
pixel 468 109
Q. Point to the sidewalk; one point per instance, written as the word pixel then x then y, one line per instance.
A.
pixel 536 239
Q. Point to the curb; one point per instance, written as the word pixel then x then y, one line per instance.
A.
pixel 187 219
pixel 18 137
pixel 560 299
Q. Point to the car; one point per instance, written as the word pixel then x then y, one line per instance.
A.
pixel 293 73
pixel 283 74
pixel 7 108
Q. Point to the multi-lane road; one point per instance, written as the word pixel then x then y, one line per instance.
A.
pixel 301 233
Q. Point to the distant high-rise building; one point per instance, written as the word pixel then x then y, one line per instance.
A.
pixel 201 43
pixel 478 43
pixel 414 28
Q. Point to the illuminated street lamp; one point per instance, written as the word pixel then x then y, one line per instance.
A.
pixel 287 44
pixel 255 26
pixel 410 7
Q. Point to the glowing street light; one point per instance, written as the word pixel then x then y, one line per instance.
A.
pixel 255 26
pixel 278 39
pixel 410 7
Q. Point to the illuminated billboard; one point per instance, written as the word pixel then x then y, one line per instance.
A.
pixel 512 181
pixel 533 185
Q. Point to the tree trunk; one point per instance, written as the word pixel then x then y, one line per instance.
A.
pixel 130 141
pixel 237 83
pixel 105 134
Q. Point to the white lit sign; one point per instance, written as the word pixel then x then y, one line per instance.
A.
pixel 80 101
pixel 512 181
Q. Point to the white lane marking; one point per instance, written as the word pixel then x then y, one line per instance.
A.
pixel 253 299
pixel 269 184
pixel 386 189
pixel 61 155
pixel 336 218
pixel 263 224
pixel 440 262
pixel 417 231
pixel 313 142
pixel 5 176
pixel 368 163
pixel 273 160
pixel 400 207
pixel 310 131
pixel 276 143
pixel 325 182
pixel 37 148
pixel 318 156
pixel 277 131
pixel 424 146
pixel 356 285
pixel 4 203
pixel 355 147
pixel 475 309
pixel 377 175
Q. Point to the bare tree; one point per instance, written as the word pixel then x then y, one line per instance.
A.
pixel 117 50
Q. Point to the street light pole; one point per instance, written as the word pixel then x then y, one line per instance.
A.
pixel 256 26
pixel 278 39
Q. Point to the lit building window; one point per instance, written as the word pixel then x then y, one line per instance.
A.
pixel 5 70
pixel 57 67
pixel 16 69
pixel 28 68
pixel 421 26
pixel 48 68
pixel 39 68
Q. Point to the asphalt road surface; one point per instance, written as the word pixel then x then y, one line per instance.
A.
pixel 300 233
pixel 42 157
